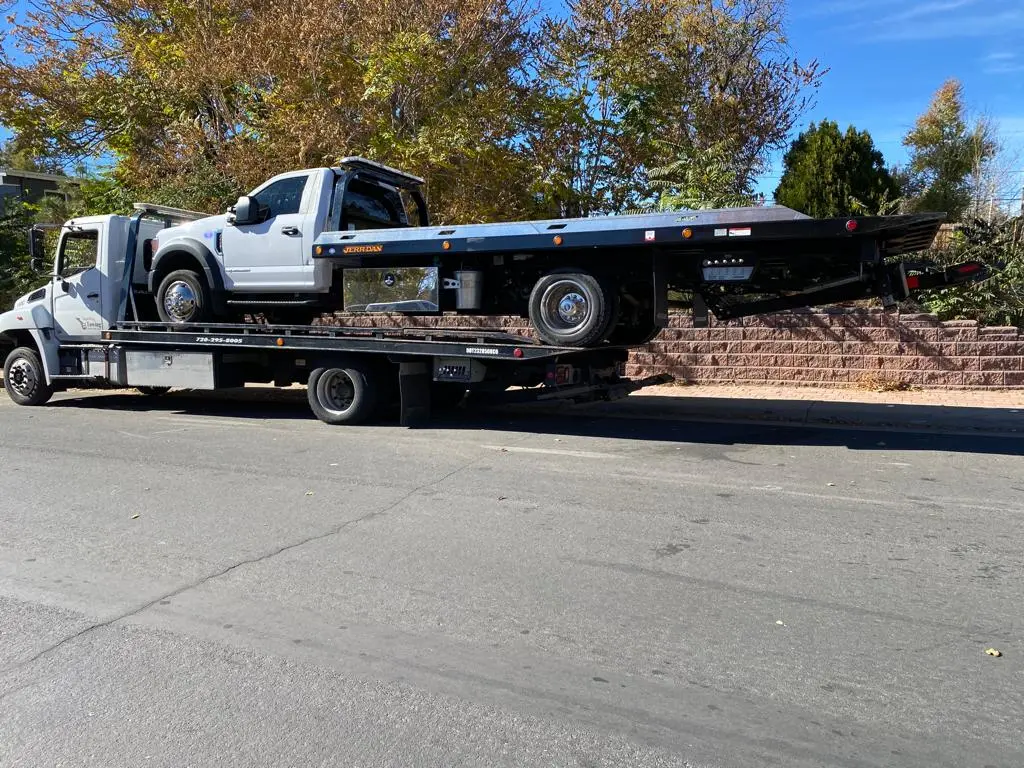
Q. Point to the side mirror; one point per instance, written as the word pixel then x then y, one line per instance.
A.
pixel 38 265
pixel 36 243
pixel 246 211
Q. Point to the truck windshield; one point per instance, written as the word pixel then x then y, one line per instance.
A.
pixel 78 252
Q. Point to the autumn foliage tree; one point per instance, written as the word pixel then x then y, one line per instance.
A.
pixel 506 111
pixel 948 154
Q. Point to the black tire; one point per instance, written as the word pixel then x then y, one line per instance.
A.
pixel 183 298
pixel 633 335
pixel 552 318
pixel 343 394
pixel 25 379
pixel 153 391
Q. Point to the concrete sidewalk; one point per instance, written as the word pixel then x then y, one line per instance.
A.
pixel 940 410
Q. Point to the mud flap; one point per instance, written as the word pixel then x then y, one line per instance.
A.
pixel 700 311
pixel 414 391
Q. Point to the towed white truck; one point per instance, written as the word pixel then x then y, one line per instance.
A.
pixel 84 328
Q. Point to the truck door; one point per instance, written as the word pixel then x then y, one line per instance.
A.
pixel 270 256
pixel 78 286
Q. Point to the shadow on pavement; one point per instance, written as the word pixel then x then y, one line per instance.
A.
pixel 656 419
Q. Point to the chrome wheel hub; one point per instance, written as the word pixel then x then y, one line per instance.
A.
pixel 180 301
pixel 335 391
pixel 565 306
pixel 572 309
pixel 22 377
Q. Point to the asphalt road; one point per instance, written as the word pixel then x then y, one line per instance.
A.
pixel 200 583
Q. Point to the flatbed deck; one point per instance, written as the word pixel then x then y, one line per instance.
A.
pixel 424 363
pixel 487 343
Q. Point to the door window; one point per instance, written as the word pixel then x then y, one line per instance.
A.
pixel 78 252
pixel 283 196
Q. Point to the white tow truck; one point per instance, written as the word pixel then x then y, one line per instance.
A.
pixel 84 329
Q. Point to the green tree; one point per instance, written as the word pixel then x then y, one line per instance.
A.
pixel 15 274
pixel 713 179
pixel 634 85
pixel 16 154
pixel 947 154
pixel 830 173
pixel 999 300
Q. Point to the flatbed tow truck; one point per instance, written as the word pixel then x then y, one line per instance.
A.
pixel 81 332
pixel 84 329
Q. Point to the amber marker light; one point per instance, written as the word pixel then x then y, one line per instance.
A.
pixel 558 239
pixel 687 233
pixel 319 250
pixel 280 342
pixel 446 245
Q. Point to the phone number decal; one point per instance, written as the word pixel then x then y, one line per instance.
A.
pixel 220 339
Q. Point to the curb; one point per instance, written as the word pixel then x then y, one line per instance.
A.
pixel 925 418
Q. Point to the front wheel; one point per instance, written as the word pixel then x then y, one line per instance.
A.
pixel 182 298
pixel 571 309
pixel 25 379
pixel 343 394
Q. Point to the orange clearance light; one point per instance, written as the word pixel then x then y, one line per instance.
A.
pixel 687 233
pixel 446 245
pixel 319 250
pixel 558 239
pixel 106 335
pixel 280 342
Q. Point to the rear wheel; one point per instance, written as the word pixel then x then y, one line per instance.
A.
pixel 153 391
pixel 24 378
pixel 571 309
pixel 182 297
pixel 344 394
pixel 634 335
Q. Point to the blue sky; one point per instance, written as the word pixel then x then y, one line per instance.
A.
pixel 887 59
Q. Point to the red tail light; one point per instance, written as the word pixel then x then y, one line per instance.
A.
pixel 851 225
pixel 968 269
pixel 913 283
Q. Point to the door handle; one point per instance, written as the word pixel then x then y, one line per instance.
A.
pixel 92 296
pixel 289 230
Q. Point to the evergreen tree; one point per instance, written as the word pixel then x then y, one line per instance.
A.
pixel 829 173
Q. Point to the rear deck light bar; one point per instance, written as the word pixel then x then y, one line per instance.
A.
pixel 968 269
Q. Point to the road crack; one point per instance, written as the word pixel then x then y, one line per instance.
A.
pixel 230 569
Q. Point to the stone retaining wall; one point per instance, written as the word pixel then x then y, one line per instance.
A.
pixel 827 348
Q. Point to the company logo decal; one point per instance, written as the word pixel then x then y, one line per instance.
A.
pixel 362 249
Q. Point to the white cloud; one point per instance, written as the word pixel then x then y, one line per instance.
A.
pixel 1004 69
pixel 925 10
pixel 929 19
pixel 834 7
pixel 956 27
pixel 1002 63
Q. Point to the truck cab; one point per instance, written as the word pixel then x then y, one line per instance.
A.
pixel 259 253
pixel 84 293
